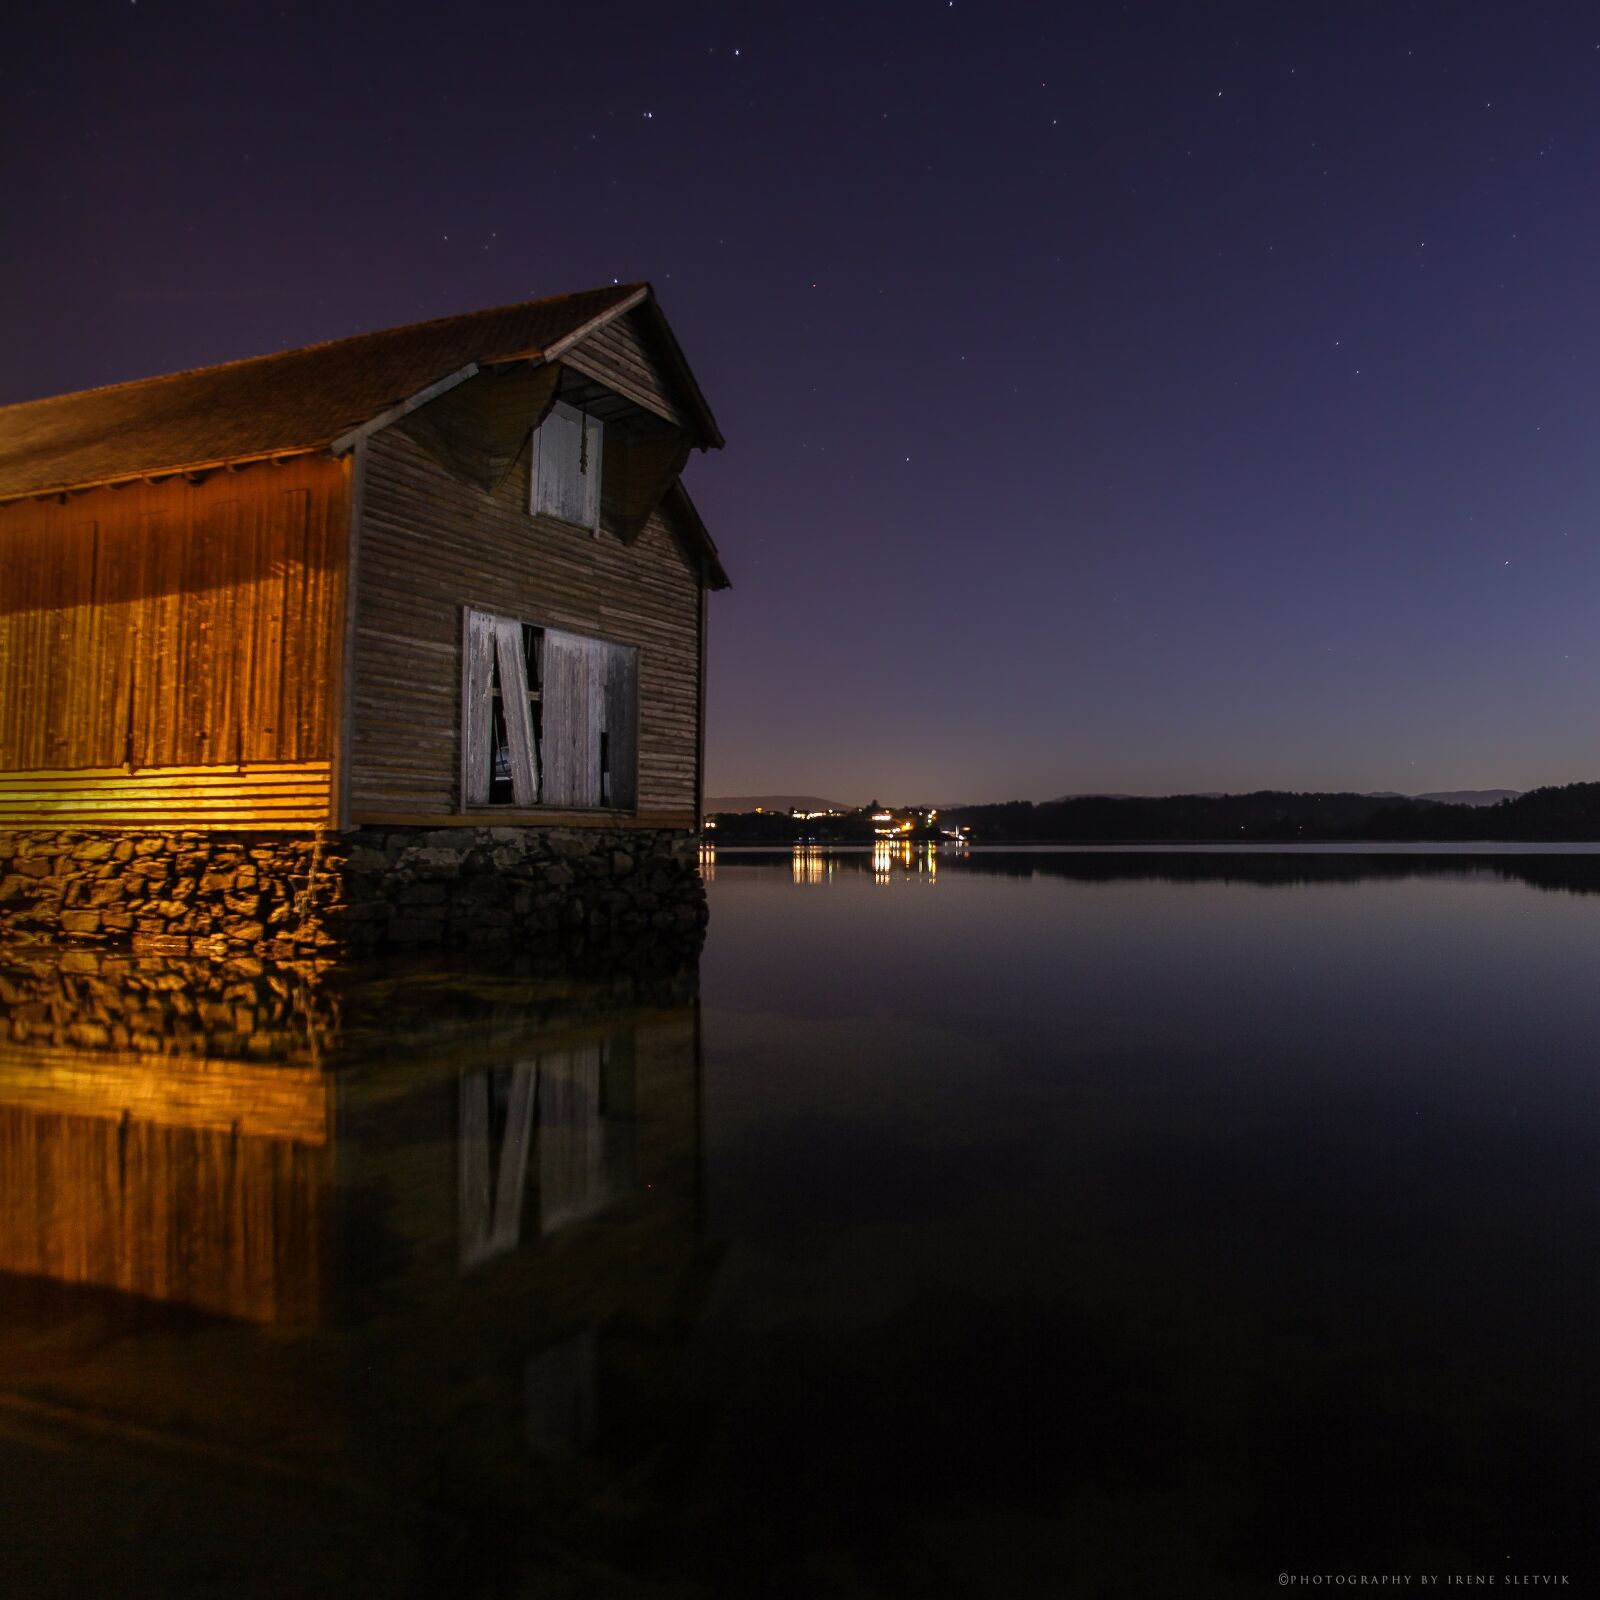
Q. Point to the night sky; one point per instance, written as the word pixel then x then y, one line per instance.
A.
pixel 1133 398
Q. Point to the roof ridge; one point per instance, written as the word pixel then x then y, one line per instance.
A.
pixel 622 290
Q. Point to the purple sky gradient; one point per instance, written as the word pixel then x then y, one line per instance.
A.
pixel 1133 398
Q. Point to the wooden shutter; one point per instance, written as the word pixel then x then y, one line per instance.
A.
pixel 514 707
pixel 621 666
pixel 568 465
pixel 590 688
pixel 477 715
pixel 557 442
pixel 590 464
pixel 571 722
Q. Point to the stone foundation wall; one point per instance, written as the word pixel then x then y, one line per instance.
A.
pixel 295 896
pixel 487 886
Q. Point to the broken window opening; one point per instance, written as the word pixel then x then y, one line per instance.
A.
pixel 501 789
pixel 550 718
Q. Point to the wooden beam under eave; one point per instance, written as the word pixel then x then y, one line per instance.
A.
pixel 639 297
pixel 127 480
pixel 672 356
pixel 403 408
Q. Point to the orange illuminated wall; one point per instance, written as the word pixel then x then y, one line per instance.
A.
pixel 171 651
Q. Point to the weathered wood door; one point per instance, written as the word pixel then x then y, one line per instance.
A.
pixel 590 712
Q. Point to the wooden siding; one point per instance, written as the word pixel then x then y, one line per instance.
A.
pixel 618 358
pixel 291 795
pixel 170 643
pixel 431 546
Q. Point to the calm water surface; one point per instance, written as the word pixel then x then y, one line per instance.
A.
pixel 1030 1224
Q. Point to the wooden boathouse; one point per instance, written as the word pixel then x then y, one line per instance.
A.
pixel 399 638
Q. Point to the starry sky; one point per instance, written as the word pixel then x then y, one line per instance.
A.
pixel 1126 398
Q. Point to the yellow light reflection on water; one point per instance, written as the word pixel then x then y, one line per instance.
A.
pixel 920 859
pixel 882 861
pixel 812 864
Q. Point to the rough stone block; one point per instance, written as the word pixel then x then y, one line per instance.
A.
pixel 427 893
pixel 193 892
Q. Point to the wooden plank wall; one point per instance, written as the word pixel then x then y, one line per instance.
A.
pixel 617 356
pixel 171 634
pixel 431 545
pixel 266 795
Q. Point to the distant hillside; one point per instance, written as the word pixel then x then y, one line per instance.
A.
pixel 1267 814
pixel 1567 814
pixel 1470 797
pixel 719 804
pixel 1564 815
pixel 1445 797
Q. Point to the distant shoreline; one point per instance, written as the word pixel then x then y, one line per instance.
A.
pixel 1353 847
pixel 1569 814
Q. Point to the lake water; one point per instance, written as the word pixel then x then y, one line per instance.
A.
pixel 1023 1224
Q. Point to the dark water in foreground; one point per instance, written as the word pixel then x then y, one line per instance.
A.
pixel 1040 1224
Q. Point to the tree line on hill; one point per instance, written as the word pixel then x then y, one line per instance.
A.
pixel 1569 813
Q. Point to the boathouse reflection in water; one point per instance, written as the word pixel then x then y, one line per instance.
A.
pixel 469 1204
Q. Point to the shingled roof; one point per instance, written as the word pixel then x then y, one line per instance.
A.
pixel 297 400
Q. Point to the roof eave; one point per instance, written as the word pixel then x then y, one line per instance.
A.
pixel 710 434
pixel 555 351
pixel 685 508
pixel 185 469
pixel 402 408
